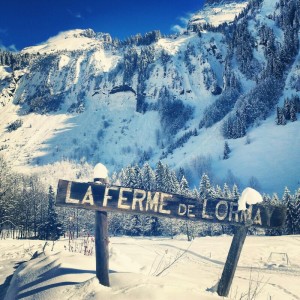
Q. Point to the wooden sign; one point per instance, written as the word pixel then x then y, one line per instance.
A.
pixel 101 197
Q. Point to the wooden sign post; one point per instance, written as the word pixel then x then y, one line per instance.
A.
pixel 101 247
pixel 101 232
pixel 232 261
pixel 103 198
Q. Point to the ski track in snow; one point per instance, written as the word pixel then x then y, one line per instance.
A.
pixel 136 262
pixel 274 285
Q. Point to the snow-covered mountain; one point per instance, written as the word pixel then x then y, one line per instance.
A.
pixel 84 96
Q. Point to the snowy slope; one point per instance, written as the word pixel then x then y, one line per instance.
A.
pixel 84 97
pixel 70 40
pixel 135 264
pixel 217 14
pixel 117 111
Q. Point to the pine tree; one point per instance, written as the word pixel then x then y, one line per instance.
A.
pixel 286 195
pixel 283 122
pixel 226 191
pixel 148 178
pixel 184 187
pixel 125 176
pixel 297 211
pixel 205 187
pixel 235 192
pixel 167 180
pixel 145 225
pixel 53 228
pixel 116 224
pixel 155 225
pixel 293 113
pixel 152 224
pixel 114 179
pixel 275 199
pixel 134 180
pixel 195 194
pixel 212 192
pixel 174 184
pixel 290 223
pixel 266 198
pixel 181 173
pixel 226 150
pixel 132 225
pixel 135 177
pixel 219 192
pixel 159 176
pixel 286 108
pixel 279 116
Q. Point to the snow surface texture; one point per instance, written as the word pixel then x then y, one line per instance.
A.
pixel 136 264
pixel 82 69
pixel 249 196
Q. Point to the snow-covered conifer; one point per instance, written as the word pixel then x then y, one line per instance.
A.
pixel 159 176
pixel 53 228
pixel 290 223
pixel 235 192
pixel 173 184
pixel 226 151
pixel 205 187
pixel 184 187
pixel 219 192
pixel 293 112
pixel 148 177
pixel 226 191
pixel 275 199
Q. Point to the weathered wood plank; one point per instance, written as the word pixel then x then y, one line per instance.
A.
pixel 232 261
pixel 137 201
pixel 101 248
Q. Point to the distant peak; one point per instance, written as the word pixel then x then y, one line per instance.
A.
pixel 217 2
pixel 216 12
pixel 90 33
pixel 76 39
pixel 87 33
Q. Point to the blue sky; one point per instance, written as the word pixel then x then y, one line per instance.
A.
pixel 25 23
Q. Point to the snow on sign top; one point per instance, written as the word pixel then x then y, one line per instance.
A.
pixel 100 171
pixel 249 196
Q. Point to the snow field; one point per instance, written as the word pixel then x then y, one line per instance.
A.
pixel 141 268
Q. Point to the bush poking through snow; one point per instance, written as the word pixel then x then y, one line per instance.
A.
pixel 14 125
pixel 166 262
pixel 256 286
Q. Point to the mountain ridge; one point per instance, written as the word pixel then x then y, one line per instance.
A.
pixel 86 97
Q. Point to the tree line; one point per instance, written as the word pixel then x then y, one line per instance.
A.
pixel 27 207
pixel 240 111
